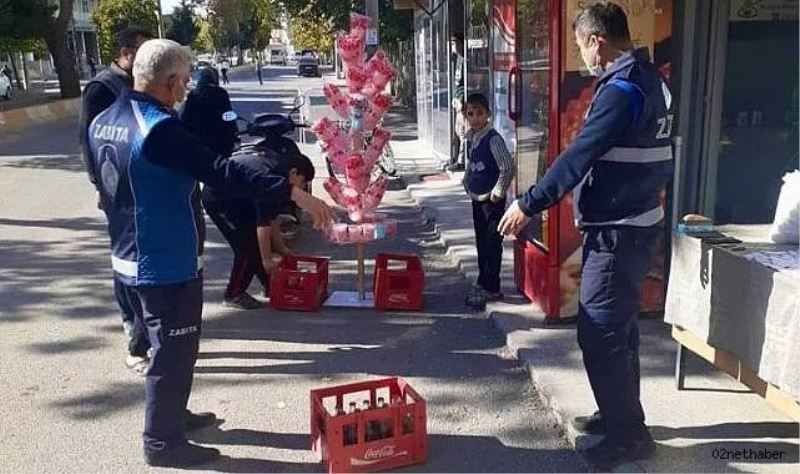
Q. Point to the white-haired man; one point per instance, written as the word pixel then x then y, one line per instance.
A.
pixel 149 165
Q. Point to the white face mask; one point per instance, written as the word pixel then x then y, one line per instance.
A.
pixel 178 100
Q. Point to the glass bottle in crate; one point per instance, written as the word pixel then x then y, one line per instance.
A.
pixel 350 432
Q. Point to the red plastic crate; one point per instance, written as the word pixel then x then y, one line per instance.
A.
pixel 400 429
pixel 299 284
pixel 398 289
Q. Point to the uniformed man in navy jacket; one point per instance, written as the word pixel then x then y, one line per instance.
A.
pixel 148 165
pixel 618 166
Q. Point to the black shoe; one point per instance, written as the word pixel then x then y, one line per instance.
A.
pixel 243 301
pixel 455 167
pixel 182 454
pixel 592 424
pixel 196 421
pixel 613 450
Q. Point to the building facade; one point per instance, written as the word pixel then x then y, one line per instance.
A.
pixel 731 67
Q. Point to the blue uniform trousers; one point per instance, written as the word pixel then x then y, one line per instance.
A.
pixel 172 314
pixel 132 318
pixel 615 262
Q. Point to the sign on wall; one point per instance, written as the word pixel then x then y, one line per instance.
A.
pixel 764 10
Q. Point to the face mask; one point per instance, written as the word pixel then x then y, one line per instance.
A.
pixel 178 100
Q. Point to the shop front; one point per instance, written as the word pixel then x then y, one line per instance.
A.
pixel 732 68
pixel 730 65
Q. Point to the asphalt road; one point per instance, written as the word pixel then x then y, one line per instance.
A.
pixel 69 404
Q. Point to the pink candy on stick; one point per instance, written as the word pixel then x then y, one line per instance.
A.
pixel 356 79
pixel 337 99
pixel 357 173
pixel 380 72
pixel 379 104
pixel 372 197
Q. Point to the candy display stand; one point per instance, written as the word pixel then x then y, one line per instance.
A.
pixel 352 150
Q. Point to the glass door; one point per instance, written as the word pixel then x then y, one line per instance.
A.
pixel 504 28
pixel 440 63
pixel 424 77
pixel 533 98
pixel 751 133
pixel 478 59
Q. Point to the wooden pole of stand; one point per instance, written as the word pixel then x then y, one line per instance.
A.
pixel 360 259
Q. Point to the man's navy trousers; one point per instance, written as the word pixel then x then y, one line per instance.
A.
pixel 615 262
pixel 172 314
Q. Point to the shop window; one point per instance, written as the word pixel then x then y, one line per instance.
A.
pixel 758 139
pixel 477 53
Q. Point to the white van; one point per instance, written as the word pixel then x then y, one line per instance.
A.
pixel 277 55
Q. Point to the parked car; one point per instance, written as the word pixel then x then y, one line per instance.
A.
pixel 5 87
pixel 308 65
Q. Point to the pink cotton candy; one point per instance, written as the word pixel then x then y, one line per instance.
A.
pixel 337 99
pixel 351 48
pixel 356 173
pixel 380 137
pixel 374 194
pixel 380 103
pixel 356 78
pixel 358 20
pixel 325 129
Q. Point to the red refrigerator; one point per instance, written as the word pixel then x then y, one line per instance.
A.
pixel 548 96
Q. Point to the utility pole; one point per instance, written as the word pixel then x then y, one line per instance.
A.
pixel 160 21
pixel 372 10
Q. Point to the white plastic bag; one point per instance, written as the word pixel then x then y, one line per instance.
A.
pixel 786 226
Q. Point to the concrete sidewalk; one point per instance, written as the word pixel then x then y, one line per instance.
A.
pixel 693 427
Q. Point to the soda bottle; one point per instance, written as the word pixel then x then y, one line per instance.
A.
pixel 370 434
pixel 339 410
pixel 350 432
pixel 408 423
pixel 384 426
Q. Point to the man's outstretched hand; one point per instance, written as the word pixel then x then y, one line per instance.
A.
pixel 319 211
pixel 513 221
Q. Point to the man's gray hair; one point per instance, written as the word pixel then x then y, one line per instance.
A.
pixel 605 19
pixel 158 59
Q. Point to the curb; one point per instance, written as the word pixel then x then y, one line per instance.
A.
pixel 16 120
pixel 574 438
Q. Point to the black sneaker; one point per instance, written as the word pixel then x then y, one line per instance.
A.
pixel 243 301
pixel 613 450
pixel 196 421
pixel 592 424
pixel 455 167
pixel 181 454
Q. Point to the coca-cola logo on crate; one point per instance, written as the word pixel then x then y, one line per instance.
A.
pixel 371 456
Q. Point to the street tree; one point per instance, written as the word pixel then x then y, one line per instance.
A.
pixel 244 24
pixel 183 26
pixel 310 29
pixel 114 15
pixel 29 20
pixel 203 42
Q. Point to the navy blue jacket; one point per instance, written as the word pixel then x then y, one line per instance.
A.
pixel 622 158
pixel 148 166
pixel 98 95
pixel 482 170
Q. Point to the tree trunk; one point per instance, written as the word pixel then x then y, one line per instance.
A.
pixel 25 78
pixel 13 60
pixel 64 60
